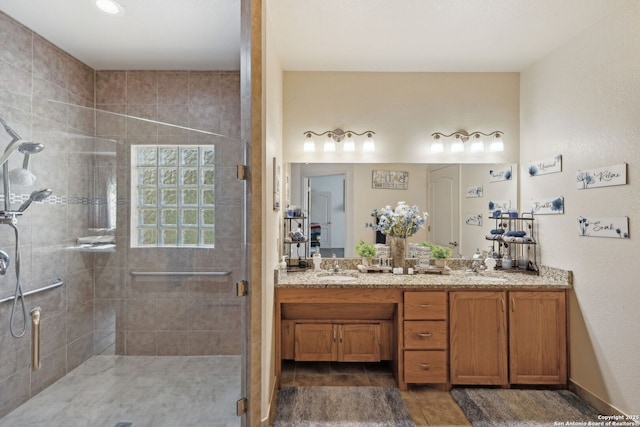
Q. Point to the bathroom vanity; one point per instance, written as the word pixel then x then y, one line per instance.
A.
pixel 461 328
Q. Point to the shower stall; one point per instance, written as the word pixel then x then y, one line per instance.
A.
pixel 131 226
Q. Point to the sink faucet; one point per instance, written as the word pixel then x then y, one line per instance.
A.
pixel 336 264
pixel 476 266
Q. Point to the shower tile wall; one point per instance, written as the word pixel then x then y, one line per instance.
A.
pixel 32 67
pixel 101 308
pixel 169 315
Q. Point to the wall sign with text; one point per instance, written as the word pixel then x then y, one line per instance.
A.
pixel 390 180
pixel 607 176
pixel 546 166
pixel 600 226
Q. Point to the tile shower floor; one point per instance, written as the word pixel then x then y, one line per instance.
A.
pixel 429 406
pixel 146 391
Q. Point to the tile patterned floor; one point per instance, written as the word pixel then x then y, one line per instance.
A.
pixel 429 406
pixel 146 391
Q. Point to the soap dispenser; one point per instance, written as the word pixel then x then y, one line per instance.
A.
pixel 506 262
pixel 282 268
pixel 317 261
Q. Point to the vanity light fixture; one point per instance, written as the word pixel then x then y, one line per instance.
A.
pixel 337 136
pixel 462 136
pixel 110 7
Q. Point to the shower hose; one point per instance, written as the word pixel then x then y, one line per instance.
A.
pixel 18 293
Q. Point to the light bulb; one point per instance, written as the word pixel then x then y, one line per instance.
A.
pixel 457 146
pixel 369 145
pixel 329 144
pixel 309 145
pixel 497 144
pixel 477 146
pixel 110 7
pixel 349 144
pixel 437 146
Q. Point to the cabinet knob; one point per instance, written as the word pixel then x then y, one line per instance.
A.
pixel 424 305
pixel 424 334
pixel 425 366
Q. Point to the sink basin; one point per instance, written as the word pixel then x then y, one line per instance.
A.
pixel 337 277
pixel 488 279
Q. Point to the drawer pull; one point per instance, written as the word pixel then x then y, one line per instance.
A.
pixel 425 366
pixel 424 334
pixel 424 305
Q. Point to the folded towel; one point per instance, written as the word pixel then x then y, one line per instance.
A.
pixel 97 240
pixel 493 236
pixel 497 231
pixel 516 233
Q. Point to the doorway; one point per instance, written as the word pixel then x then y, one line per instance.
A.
pixel 327 214
pixel 445 206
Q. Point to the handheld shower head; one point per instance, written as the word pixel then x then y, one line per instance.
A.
pixel 36 196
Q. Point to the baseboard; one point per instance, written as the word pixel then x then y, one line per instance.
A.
pixel 270 417
pixel 603 407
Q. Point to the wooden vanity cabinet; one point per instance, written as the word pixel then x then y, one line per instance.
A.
pixel 478 337
pixel 532 352
pixel 537 337
pixel 425 337
pixel 323 342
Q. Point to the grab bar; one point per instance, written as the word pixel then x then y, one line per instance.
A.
pixel 35 338
pixel 179 273
pixel 55 284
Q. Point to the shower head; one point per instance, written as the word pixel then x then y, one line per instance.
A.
pixel 36 196
pixel 29 148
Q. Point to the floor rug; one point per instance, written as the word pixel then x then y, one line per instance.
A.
pixel 515 407
pixel 341 406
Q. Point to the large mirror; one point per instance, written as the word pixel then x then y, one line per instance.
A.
pixel 339 198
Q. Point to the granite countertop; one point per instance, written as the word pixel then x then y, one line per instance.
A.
pixel 549 278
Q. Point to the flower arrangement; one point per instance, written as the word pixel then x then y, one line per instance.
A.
pixel 401 221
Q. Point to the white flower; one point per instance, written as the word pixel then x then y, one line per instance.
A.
pixel 403 221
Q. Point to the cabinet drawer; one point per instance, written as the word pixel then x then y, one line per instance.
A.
pixel 425 334
pixel 425 305
pixel 425 366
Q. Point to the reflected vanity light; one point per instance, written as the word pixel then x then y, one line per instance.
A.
pixel 462 136
pixel 339 136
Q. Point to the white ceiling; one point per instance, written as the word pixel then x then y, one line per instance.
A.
pixel 327 35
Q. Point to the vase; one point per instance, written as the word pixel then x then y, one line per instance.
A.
pixel 441 262
pixel 397 247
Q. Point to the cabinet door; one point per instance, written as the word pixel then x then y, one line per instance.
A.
pixel 359 343
pixel 537 336
pixel 315 342
pixel 478 338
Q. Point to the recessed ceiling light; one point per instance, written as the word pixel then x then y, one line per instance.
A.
pixel 110 7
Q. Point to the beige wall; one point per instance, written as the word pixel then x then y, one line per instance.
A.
pixel 404 109
pixel 472 237
pixel 583 101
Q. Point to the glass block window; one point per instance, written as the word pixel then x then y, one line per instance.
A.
pixel 172 195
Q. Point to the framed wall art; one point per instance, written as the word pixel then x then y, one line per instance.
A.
pixel 390 180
